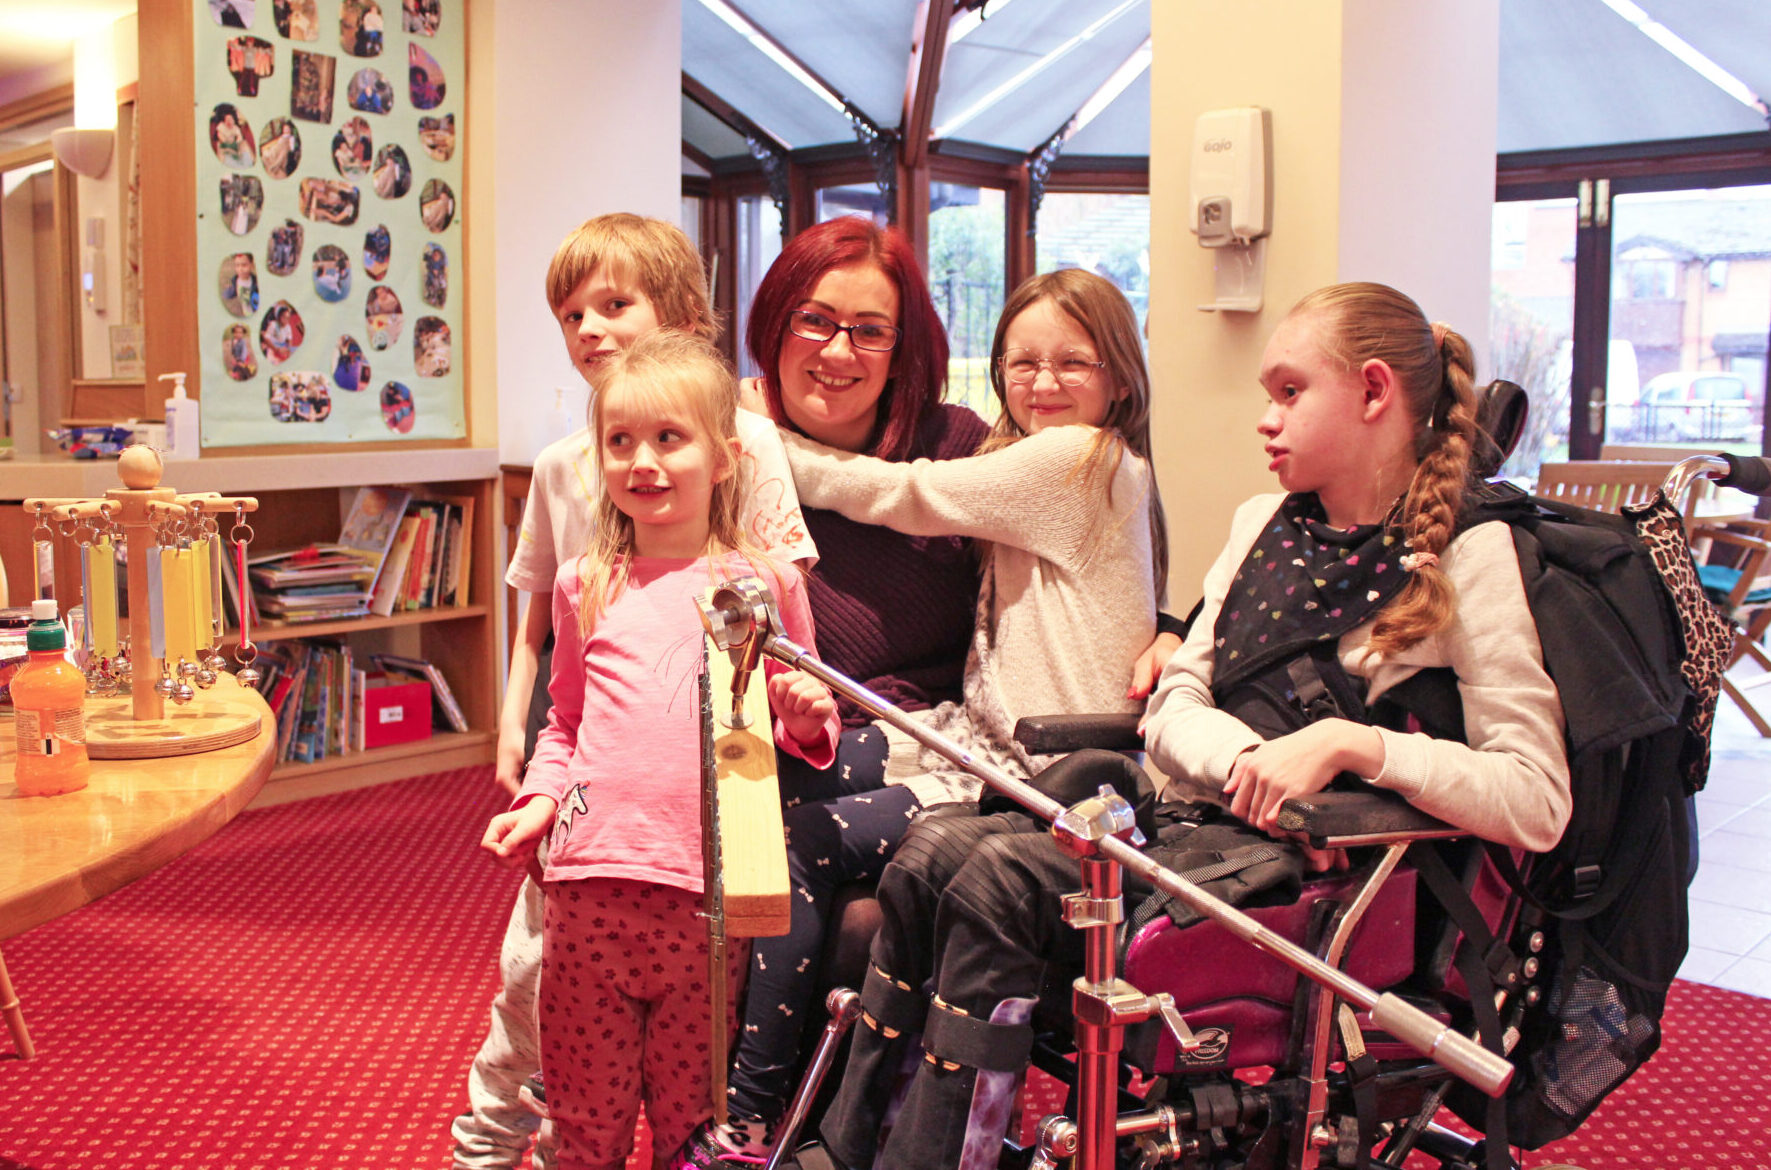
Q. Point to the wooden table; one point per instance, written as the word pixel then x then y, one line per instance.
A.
pixel 57 853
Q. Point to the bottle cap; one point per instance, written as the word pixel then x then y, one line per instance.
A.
pixel 46 631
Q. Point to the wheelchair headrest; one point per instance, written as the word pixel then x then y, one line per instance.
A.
pixel 1502 409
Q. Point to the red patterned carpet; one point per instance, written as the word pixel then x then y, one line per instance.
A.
pixel 306 990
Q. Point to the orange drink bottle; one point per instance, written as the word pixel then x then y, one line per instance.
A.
pixel 49 698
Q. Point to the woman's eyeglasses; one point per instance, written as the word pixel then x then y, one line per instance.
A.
pixel 866 335
pixel 1071 367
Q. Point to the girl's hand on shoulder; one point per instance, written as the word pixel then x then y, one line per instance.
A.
pixel 511 836
pixel 1148 668
pixel 802 703
pixel 1265 777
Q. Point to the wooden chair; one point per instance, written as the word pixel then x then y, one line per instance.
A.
pixel 1601 485
pixel 1736 575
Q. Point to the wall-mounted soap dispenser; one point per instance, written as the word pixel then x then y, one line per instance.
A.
pixel 1231 183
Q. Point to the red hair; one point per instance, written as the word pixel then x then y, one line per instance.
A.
pixel 918 379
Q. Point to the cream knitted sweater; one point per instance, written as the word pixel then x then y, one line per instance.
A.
pixel 1508 784
pixel 1067 601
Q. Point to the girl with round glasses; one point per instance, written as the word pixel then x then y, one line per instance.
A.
pixel 1064 496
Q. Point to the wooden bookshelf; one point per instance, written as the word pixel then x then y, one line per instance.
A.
pixel 303 499
pixel 285 631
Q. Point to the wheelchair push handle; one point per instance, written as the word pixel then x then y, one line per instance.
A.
pixel 1748 474
pixel 1454 1051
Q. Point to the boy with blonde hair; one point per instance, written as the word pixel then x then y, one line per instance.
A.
pixel 613 279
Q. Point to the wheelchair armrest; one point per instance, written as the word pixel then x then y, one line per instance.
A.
pixel 1335 819
pixel 1049 734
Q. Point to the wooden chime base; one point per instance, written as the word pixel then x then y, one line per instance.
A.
pixel 219 717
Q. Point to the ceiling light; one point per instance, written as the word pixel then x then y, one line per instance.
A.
pixel 946 129
pixel 765 45
pixel 1667 39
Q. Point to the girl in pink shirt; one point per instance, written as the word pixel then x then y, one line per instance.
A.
pixel 623 1004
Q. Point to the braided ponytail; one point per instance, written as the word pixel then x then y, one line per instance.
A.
pixel 1434 500
pixel 1436 369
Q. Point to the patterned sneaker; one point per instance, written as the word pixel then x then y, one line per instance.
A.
pixel 533 1095
pixel 739 1142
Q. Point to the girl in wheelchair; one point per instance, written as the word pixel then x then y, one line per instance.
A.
pixel 1369 427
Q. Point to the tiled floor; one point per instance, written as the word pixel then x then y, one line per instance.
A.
pixel 1731 897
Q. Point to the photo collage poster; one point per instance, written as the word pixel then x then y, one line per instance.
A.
pixel 329 172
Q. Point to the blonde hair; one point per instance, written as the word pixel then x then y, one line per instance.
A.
pixel 1436 370
pixel 666 371
pixel 1110 322
pixel 655 255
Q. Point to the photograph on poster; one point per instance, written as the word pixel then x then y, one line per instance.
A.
pixel 283 252
pixel 295 19
pixel 383 316
pixel 300 397
pixel 377 245
pixel 332 273
pixel 231 138
pixel 233 13
pixel 310 93
pixel 238 284
pixel 329 201
pixel 421 16
pixel 436 276
pixel 436 205
pixel 242 201
pixel 349 369
pixel 369 92
pixel 393 173
pixel 359 28
pixel 430 347
pixel 352 148
pixel 250 60
pixel 236 353
pixel 428 86
pixel 397 410
pixel 280 333
pixel 279 148
pixel 437 135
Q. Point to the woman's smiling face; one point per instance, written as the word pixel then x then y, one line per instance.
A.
pixel 830 389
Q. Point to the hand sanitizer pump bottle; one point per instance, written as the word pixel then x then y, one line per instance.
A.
pixel 183 439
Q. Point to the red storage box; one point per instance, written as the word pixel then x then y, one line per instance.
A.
pixel 395 710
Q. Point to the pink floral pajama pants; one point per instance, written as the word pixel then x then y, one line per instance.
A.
pixel 624 1016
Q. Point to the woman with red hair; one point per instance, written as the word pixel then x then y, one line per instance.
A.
pixel 853 354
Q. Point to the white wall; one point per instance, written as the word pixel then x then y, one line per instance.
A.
pixel 587 120
pixel 1418 110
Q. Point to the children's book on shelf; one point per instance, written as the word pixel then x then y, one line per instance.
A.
pixel 421 668
pixel 391 587
pixel 374 518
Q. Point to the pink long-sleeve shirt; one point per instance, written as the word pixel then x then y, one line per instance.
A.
pixel 621 753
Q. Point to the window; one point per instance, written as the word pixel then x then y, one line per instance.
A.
pixel 759 242
pixel 852 199
pixel 1107 234
pixel 967 279
pixel 1683 326
pixel 1531 321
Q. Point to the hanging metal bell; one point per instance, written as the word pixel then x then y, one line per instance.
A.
pixel 248 676
pixel 183 693
pixel 164 686
pixel 205 678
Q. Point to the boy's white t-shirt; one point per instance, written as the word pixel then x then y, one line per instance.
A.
pixel 566 479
